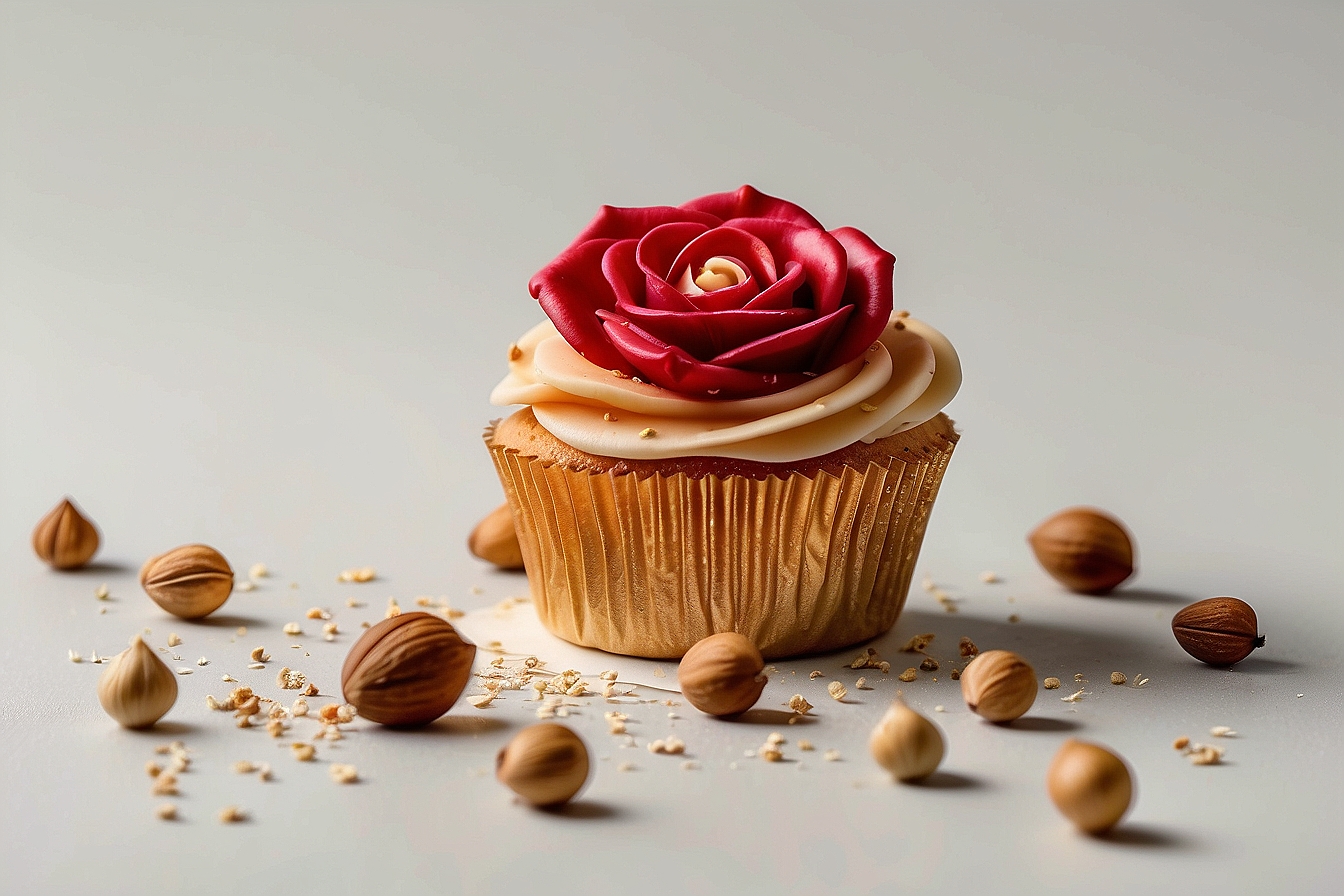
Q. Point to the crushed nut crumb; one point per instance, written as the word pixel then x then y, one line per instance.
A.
pixel 1052 683
pixel 836 690
pixel 166 812
pixel 909 674
pixel 648 432
pixel 798 703
pixel 929 664
pixel 291 680
pixel 831 755
pixel 1203 754
pixel 361 574
pixel 1222 731
pixel 671 746
pixel 311 690
pixel 164 785
pixel 318 613
pixel 917 643
pixel 1075 696
pixel 626 767
pixel 303 752
pixel 966 648
pixel 769 753
pixel 153 769
pixel 259 655
pixel 1014 618
pixel 102 593
pixel 75 657
pixel 275 727
pixel 174 639
pixel 862 684
pixel 244 767
pixel 1180 743
pixel 989 577
pixel 343 774
pixel 1118 678
pixel 231 815
pixel 814 675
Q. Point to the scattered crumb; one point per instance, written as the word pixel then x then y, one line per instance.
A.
pixel 917 643
pixel 626 767
pixel 256 665
pixel 862 684
pixel 300 708
pixel 1051 683
pixel 929 664
pixel 202 662
pixel 806 746
pixel 258 571
pixel 939 708
pixel 164 785
pixel 393 608
pixel 246 586
pixel 330 631
pixel 690 765
pixel 836 690
pixel 831 755
pixel 343 774
pixel 768 752
pixel 244 767
pixel 361 574
pixel 1014 618
pixel 166 812
pixel 814 675
pixel 966 647
pixel 231 815
pixel 798 703
pixel 955 675
pixel 317 613
pixel 102 593
pixel 1078 676
pixel 1139 681
pixel 304 752
pixel 275 727
pixel 290 680
pixel 480 701
pixel 174 639
pixel 259 655
pixel 1222 731
pixel 75 657
pixel 1203 754
pixel 310 691
pixel 351 602
pixel 185 671
pixel 1180 743
pixel 292 629
pixel 989 577
pixel 264 772
pixel 648 432
pixel 153 769
pixel 1075 696
pixel 671 746
pixel 909 674
pixel 1118 678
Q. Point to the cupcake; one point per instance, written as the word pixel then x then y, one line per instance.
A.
pixel 726 428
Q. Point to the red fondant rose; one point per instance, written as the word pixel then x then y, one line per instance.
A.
pixel 730 295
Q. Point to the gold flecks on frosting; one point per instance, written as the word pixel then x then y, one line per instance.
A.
pixel 648 432
pixel 515 352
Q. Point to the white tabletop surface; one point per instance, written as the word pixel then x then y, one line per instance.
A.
pixel 258 267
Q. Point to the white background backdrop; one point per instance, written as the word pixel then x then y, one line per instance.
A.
pixel 258 267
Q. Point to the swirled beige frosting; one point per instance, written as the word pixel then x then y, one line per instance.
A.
pixel 904 379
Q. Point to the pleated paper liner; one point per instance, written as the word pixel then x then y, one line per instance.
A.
pixel 648 564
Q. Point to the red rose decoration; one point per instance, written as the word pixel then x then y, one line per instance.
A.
pixel 731 295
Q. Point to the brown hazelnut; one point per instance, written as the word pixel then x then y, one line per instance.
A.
pixel 137 688
pixel 998 685
pixel 906 743
pixel 64 538
pixel 545 764
pixel 495 540
pixel 722 675
pixel 1219 631
pixel 1085 549
pixel 407 670
pixel 191 581
pixel 1089 784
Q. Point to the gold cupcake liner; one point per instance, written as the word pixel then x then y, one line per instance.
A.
pixel 647 566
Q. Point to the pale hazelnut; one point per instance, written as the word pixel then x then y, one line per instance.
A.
pixel 1085 549
pixel 407 670
pixel 999 685
pixel 722 675
pixel 495 539
pixel 190 581
pixel 1089 784
pixel 64 538
pixel 137 688
pixel 906 743
pixel 545 764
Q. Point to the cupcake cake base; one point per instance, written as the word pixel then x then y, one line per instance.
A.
pixel 645 558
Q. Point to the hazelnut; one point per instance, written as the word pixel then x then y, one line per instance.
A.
pixel 906 744
pixel 1090 785
pixel 64 538
pixel 190 581
pixel 722 675
pixel 495 540
pixel 1085 549
pixel 137 688
pixel 545 764
pixel 999 685
pixel 407 670
pixel 1219 631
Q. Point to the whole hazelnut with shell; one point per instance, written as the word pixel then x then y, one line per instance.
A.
pixel 191 581
pixel 64 538
pixel 1085 549
pixel 906 743
pixel 1090 785
pixel 722 675
pixel 999 685
pixel 546 764
pixel 407 670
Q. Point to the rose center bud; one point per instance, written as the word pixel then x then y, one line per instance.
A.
pixel 717 273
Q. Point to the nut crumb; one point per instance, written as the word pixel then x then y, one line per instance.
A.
pixel 343 774
pixel 690 765
pixel 1222 731
pixel 939 708
pixel 966 648
pixel 929 664
pixel 480 701
pixel 1203 754
pixel 275 727
pixel 1118 678
pixel 862 684
pixel 798 703
pixel 245 586
pixel 806 746
pixel 775 739
pixel 393 608
pixel 244 767
pixel 153 769
pixel 311 690
pixel 102 593
pixel 836 690
pixel 259 655
pixel 909 674
pixel 989 577
pixel 185 671
pixel 231 815
pixel 769 753
pixel 292 629
pixel 291 680
pixel 831 755
pixel 360 574
pixel 166 812
pixel 648 432
pixel 75 657
pixel 1052 683
pixel 917 644
pixel 174 639
pixel 671 746
pixel 1075 696
pixel 202 662
pixel 164 785
pixel 814 674
pixel 304 752
pixel 1180 743
pixel 1014 618
pixel 626 767
pixel 300 707
pixel 258 571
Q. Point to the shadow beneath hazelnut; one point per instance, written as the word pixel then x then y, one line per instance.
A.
pixel 1149 596
pixel 1253 665
pixel 161 730
pixel 584 809
pixel 1040 723
pixel 942 780
pixel 98 568
pixel 226 620
pixel 1146 836
pixel 769 717
pixel 456 726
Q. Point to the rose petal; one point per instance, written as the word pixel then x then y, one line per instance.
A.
pixel 779 295
pixel 672 368
pixel 730 242
pixel 821 255
pixel 571 290
pixel 654 255
pixel 616 223
pixel 705 334
pixel 748 202
pixel 794 349
pixel 868 289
